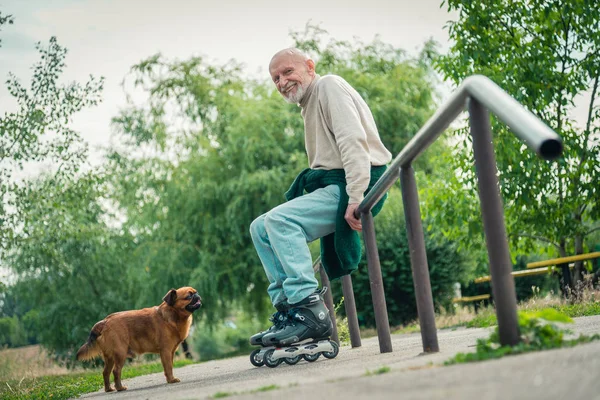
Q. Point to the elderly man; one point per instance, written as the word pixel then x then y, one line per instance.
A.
pixel 346 157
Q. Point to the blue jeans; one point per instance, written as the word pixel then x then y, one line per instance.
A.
pixel 281 238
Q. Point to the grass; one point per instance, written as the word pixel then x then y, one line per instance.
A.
pixel 487 317
pixel 220 395
pixel 484 319
pixel 587 305
pixel 540 330
pixel 71 385
pixel 378 371
pixel 265 388
pixel 580 309
pixel 28 362
pixel 460 316
pixel 541 322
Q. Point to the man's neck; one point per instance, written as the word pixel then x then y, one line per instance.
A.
pixel 309 91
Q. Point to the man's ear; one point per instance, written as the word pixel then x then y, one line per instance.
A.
pixel 310 66
pixel 171 297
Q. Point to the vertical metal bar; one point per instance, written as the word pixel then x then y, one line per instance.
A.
pixel 329 302
pixel 503 283
pixel 377 292
pixel 351 315
pixel 418 260
pixel 567 283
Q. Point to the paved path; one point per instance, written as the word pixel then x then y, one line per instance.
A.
pixel 571 374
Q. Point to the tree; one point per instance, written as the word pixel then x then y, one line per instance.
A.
pixel 5 19
pixel 71 267
pixel 36 223
pixel 545 54
pixel 38 131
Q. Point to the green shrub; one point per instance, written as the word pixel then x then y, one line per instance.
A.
pixel 12 333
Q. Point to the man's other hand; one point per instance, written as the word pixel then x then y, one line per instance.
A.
pixel 351 219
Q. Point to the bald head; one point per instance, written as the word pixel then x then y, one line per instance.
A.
pixel 292 72
pixel 290 53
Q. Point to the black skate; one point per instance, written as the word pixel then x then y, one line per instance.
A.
pixel 279 319
pixel 305 334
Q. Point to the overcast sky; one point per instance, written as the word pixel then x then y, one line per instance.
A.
pixel 106 37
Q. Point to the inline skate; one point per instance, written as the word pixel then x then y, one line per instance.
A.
pixel 304 334
pixel 278 319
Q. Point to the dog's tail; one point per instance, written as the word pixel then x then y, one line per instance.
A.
pixel 91 349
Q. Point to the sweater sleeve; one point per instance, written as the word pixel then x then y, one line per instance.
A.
pixel 340 111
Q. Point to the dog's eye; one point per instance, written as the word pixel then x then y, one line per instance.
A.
pixel 189 296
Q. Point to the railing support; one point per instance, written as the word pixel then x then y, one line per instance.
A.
pixel 377 292
pixel 526 126
pixel 329 302
pixel 350 307
pixel 566 284
pixel 418 259
pixel 503 287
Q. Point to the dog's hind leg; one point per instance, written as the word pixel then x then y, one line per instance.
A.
pixel 119 362
pixel 108 366
pixel 166 357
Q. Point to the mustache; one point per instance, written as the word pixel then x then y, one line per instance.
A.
pixel 286 87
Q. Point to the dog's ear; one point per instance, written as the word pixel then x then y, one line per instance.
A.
pixel 171 297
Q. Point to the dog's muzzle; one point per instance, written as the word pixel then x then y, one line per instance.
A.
pixel 195 303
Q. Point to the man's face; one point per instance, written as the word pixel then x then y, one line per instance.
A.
pixel 292 75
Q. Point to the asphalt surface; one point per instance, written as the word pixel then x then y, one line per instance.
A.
pixel 570 373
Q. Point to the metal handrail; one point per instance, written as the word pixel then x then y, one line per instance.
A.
pixel 533 132
pixel 479 94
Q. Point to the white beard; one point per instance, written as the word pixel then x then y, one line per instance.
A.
pixel 296 97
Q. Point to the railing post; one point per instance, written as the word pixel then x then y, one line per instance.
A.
pixel 329 302
pixel 503 284
pixel 350 307
pixel 418 260
pixel 377 292
pixel 567 284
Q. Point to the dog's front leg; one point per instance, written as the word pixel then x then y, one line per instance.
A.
pixel 166 357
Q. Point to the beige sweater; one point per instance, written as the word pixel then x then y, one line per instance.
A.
pixel 340 132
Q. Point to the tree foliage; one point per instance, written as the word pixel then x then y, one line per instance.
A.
pixel 38 131
pixel 546 54
pixel 35 215
pixel 71 266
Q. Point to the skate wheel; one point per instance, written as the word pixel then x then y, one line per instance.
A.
pixel 268 360
pixel 311 357
pixel 292 360
pixel 255 360
pixel 334 353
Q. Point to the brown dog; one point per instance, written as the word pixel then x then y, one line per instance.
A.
pixel 157 329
